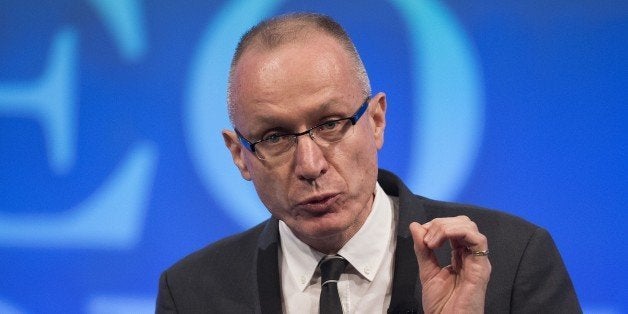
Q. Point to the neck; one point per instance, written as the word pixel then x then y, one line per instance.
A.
pixel 328 246
pixel 333 243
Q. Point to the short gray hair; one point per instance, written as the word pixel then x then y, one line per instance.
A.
pixel 279 30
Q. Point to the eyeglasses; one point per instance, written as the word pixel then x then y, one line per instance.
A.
pixel 276 145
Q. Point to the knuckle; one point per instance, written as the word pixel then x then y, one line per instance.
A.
pixel 473 226
pixel 437 221
pixel 483 238
pixel 468 222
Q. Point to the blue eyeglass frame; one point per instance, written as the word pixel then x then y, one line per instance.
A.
pixel 354 119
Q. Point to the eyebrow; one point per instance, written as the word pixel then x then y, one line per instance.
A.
pixel 265 123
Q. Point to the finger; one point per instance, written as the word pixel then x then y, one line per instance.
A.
pixel 470 242
pixel 456 259
pixel 428 264
pixel 460 231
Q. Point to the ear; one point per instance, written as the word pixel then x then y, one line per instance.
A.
pixel 237 153
pixel 377 114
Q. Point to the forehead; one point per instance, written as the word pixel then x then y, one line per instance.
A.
pixel 288 79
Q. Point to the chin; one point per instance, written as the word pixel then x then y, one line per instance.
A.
pixel 323 229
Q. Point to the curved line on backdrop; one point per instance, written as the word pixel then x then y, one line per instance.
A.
pixel 121 200
pixel 449 99
pixel 443 157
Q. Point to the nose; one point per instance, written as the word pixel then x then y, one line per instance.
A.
pixel 310 161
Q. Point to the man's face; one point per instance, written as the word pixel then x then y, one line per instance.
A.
pixel 323 194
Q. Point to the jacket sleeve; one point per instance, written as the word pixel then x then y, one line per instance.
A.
pixel 165 302
pixel 542 284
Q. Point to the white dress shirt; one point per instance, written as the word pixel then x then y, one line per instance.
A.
pixel 366 284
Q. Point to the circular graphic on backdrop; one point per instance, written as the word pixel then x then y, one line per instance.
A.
pixel 447 127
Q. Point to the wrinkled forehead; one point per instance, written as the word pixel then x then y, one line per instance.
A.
pixel 291 72
pixel 303 42
pixel 284 33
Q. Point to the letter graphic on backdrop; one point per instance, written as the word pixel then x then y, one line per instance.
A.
pixel 443 158
pixel 121 199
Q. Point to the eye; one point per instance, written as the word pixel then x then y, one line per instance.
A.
pixel 274 138
pixel 329 125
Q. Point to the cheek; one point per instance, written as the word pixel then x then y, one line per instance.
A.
pixel 364 153
pixel 272 186
pixel 356 163
pixel 268 194
pixel 364 160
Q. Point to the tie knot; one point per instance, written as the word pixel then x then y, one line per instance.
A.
pixel 331 267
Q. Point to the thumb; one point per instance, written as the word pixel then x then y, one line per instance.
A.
pixel 428 264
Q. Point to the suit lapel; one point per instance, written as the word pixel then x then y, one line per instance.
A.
pixel 406 288
pixel 269 290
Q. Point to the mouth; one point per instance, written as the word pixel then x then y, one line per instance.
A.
pixel 319 205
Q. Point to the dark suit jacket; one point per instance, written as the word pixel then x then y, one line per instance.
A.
pixel 240 274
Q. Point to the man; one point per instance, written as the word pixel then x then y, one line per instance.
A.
pixel 306 133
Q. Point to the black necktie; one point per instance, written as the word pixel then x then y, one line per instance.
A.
pixel 331 268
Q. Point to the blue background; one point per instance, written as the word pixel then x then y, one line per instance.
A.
pixel 102 184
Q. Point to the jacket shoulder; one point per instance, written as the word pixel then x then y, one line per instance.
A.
pixel 418 208
pixel 494 220
pixel 225 253
pixel 528 274
pixel 219 276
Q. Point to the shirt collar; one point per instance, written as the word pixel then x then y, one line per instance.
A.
pixel 299 257
pixel 364 251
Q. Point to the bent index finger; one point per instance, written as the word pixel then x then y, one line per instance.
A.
pixel 428 264
pixel 460 231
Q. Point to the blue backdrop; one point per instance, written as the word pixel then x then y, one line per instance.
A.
pixel 112 166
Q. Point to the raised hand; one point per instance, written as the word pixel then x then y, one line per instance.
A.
pixel 461 286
